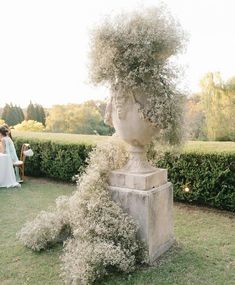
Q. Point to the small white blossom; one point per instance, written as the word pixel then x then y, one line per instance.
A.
pixel 133 55
pixel 101 234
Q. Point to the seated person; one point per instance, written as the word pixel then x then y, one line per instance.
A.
pixel 8 129
pixel 7 147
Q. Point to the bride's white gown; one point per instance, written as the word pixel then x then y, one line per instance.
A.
pixel 7 173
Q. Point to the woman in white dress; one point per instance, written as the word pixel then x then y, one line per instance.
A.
pixel 7 158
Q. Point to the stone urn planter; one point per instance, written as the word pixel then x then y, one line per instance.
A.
pixel 132 56
pixel 123 113
pixel 141 189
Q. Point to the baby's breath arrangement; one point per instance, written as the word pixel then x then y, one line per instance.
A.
pixel 98 235
pixel 133 54
pixel 48 228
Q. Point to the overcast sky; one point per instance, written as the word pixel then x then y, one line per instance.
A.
pixel 44 45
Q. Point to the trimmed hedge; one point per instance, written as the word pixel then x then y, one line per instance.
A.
pixel 209 177
pixel 55 159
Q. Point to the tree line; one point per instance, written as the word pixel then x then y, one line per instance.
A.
pixel 13 115
pixel 210 114
pixel 85 118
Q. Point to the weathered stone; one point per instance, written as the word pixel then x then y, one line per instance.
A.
pixel 140 189
pixel 140 181
pixel 123 112
pixel 153 211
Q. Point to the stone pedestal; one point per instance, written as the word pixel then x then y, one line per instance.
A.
pixel 138 181
pixel 148 198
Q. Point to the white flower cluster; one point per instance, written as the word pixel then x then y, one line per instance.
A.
pixel 48 228
pixel 133 54
pixel 102 236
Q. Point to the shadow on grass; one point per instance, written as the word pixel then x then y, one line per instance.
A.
pixel 178 265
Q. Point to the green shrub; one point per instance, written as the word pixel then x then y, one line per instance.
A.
pixel 54 159
pixel 209 177
pixel 29 125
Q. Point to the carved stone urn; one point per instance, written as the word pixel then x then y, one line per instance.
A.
pixel 123 113
pixel 142 190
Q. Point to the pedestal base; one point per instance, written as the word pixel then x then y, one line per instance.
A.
pixel 153 211
pixel 138 181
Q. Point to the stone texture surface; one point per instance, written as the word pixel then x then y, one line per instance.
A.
pixel 123 113
pixel 127 120
pixel 153 211
pixel 140 181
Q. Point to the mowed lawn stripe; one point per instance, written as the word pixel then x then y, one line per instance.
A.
pixel 204 252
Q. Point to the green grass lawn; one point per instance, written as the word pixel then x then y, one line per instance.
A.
pixel 209 147
pixel 61 137
pixel 204 252
pixel 189 146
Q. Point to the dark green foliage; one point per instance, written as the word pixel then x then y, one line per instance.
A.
pixel 31 112
pixel 40 114
pixel 100 127
pixel 209 177
pixel 12 114
pixel 54 160
pixel 20 114
pixel 36 112
pixel 5 113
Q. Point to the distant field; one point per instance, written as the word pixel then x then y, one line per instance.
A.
pixel 60 137
pixel 190 146
pixel 202 146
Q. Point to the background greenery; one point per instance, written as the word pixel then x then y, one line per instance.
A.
pixel 85 118
pixel 54 159
pixel 206 168
pixel 13 115
pixel 204 252
pixel 189 146
pixel 209 177
pixel 210 113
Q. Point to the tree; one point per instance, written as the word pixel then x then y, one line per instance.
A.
pixel 36 112
pixel 100 106
pixel 195 118
pixel 31 112
pixel 20 113
pixel 40 114
pixel 218 99
pixel 77 118
pixel 56 120
pixel 6 113
pixel 12 114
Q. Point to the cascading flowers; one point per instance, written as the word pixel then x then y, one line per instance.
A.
pixel 133 54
